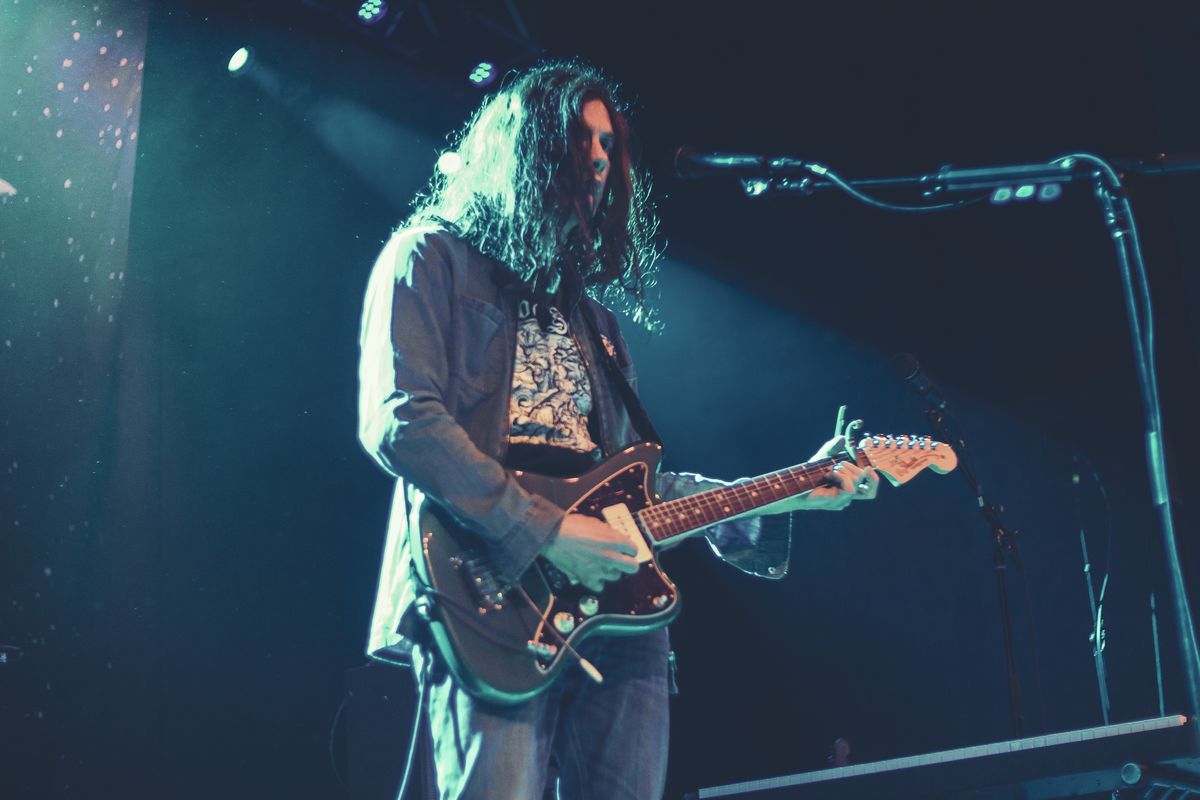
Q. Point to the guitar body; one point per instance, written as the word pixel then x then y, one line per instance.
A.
pixel 505 644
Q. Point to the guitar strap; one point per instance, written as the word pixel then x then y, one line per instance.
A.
pixel 637 412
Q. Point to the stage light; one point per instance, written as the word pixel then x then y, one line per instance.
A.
pixel 483 75
pixel 755 187
pixel 1024 192
pixel 239 62
pixel 449 162
pixel 1001 196
pixel 371 11
pixel 1049 192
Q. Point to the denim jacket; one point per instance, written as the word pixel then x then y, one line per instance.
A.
pixel 438 342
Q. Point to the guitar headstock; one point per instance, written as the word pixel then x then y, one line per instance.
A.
pixel 900 458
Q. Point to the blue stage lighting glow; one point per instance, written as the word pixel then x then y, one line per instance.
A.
pixel 1024 192
pixel 753 187
pixel 449 162
pixel 483 75
pixel 371 11
pixel 1001 195
pixel 1049 192
pixel 239 62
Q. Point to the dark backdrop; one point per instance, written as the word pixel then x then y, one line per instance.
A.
pixel 185 615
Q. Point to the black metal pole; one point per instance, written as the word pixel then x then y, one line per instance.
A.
pixel 1003 541
pixel 1118 218
pixel 1014 680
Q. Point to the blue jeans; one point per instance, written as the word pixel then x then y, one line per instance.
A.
pixel 609 740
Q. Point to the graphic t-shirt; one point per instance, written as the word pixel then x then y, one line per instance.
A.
pixel 551 393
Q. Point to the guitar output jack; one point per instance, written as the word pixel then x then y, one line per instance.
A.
pixel 564 622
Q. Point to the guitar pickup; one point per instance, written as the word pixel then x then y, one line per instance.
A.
pixel 543 650
pixel 485 587
pixel 620 518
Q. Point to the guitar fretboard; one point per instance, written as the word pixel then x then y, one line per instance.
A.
pixel 678 517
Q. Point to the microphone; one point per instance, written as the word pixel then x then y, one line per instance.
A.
pixel 689 163
pixel 908 369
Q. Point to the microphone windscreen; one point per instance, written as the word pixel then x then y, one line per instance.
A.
pixel 689 163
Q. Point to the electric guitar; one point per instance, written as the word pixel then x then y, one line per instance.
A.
pixel 505 642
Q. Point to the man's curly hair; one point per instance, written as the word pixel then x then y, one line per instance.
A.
pixel 526 168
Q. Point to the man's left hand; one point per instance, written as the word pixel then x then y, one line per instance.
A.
pixel 847 482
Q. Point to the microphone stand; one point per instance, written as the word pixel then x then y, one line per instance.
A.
pixel 786 174
pixel 1118 219
pixel 794 176
pixel 1004 544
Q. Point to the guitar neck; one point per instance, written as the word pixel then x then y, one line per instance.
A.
pixel 687 515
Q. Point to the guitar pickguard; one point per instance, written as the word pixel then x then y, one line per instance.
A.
pixel 625 606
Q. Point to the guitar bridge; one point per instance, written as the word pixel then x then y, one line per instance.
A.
pixel 543 653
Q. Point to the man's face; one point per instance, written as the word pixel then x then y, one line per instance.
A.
pixel 601 140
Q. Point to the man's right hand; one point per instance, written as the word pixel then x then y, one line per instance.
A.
pixel 591 551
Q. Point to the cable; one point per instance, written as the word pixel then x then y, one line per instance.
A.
pixel 825 172
pixel 337 716
pixel 409 760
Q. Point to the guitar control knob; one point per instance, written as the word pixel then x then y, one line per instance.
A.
pixel 589 604
pixel 564 622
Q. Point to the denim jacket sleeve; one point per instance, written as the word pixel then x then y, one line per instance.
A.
pixel 404 386
pixel 759 546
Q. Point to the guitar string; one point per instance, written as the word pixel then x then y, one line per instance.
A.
pixel 663 523
pixel 745 495
pixel 745 492
pixel 777 485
